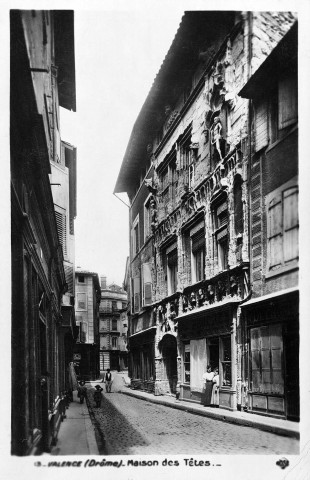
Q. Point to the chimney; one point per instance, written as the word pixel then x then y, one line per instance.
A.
pixel 103 281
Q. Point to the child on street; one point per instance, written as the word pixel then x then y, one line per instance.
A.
pixel 97 395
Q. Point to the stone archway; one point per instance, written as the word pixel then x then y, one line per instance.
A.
pixel 168 348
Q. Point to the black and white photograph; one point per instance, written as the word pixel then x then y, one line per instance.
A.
pixel 153 182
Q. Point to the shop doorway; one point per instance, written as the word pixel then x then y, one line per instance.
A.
pixel 213 352
pixel 169 354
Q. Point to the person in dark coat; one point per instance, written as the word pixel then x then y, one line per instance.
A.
pixel 82 391
pixel 97 395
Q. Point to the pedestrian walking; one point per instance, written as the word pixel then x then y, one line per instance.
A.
pixel 97 395
pixel 215 400
pixel 208 381
pixel 108 381
pixel 82 391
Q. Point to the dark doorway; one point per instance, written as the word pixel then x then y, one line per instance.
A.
pixel 213 352
pixel 169 353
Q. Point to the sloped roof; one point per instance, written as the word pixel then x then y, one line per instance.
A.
pixel 179 62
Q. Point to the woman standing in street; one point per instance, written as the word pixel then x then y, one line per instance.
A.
pixel 208 381
pixel 215 390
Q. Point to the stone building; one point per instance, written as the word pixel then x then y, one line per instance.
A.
pixel 42 78
pixel 113 327
pixel 87 301
pixel 271 316
pixel 185 171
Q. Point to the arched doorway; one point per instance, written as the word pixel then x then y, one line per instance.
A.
pixel 169 355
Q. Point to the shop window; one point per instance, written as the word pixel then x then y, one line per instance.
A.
pixel 267 374
pixel 198 244
pixel 282 227
pixel 226 361
pixel 187 363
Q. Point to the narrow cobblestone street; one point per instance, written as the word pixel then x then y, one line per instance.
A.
pixel 131 426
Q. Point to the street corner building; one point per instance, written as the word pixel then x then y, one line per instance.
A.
pixel 211 175
pixel 43 209
pixel 113 326
pixel 86 350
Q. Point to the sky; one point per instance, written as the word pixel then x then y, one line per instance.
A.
pixel 117 55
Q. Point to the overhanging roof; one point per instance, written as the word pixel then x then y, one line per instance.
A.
pixel 196 28
pixel 65 58
pixel 271 296
pixel 283 57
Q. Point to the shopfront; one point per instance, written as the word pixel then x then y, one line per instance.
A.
pixel 272 327
pixel 208 337
pixel 141 355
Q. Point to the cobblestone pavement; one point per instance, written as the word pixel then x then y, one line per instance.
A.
pixel 132 426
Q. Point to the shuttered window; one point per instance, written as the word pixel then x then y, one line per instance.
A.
pixel 266 360
pixel 287 101
pixel 62 230
pixel 147 283
pixel 198 250
pixel 261 126
pixel 282 228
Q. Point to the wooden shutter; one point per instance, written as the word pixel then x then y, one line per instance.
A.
pixel 276 346
pixel 275 232
pixel 290 227
pixel 62 230
pixel 198 241
pixel 287 101
pixel 261 126
pixel 147 283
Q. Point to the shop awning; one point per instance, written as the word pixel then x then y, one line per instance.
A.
pixel 270 296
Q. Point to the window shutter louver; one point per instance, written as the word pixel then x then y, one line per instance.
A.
pixel 261 126
pixel 136 286
pixel 198 241
pixel 290 224
pixel 62 231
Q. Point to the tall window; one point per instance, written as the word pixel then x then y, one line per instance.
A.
pixel 114 342
pixel 114 324
pixel 135 243
pixel 187 363
pixel 282 227
pixel 198 245
pixel 221 234
pixel 172 270
pixel 226 361
pixel 147 219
